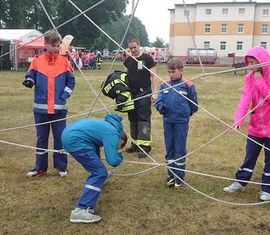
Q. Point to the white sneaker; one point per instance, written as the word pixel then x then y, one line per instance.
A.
pixel 265 196
pixel 233 187
pixel 79 215
pixel 63 173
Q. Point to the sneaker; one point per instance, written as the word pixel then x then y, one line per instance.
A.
pixel 178 185
pixel 233 187
pixel 79 215
pixel 170 181
pixel 265 196
pixel 35 172
pixel 62 173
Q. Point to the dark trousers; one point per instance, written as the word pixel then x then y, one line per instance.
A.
pixel 252 153
pixel 59 160
pixel 91 162
pixel 175 135
pixel 140 118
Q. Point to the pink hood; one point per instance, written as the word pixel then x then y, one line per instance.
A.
pixel 254 91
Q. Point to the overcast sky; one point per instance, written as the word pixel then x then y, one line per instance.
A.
pixel 155 16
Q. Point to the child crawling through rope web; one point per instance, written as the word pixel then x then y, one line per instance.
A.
pixel 83 139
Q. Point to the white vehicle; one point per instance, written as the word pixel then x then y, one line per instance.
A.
pixel 207 56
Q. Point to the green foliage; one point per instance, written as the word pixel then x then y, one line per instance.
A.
pixel 158 43
pixel 116 30
pixel 30 14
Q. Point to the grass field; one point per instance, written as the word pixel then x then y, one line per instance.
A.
pixel 138 204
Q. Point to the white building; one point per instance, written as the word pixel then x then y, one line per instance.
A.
pixel 231 27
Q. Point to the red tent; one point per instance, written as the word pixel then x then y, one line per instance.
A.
pixel 37 44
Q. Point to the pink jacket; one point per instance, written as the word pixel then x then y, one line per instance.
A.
pixel 253 92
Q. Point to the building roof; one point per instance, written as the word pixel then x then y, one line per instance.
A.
pixel 13 34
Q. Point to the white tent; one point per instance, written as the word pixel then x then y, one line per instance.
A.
pixel 16 38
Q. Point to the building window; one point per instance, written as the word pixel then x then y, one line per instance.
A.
pixel 225 11
pixel 240 28
pixel 222 46
pixel 241 11
pixel 206 45
pixel 224 28
pixel 208 11
pixel 265 12
pixel 264 44
pixel 186 12
pixel 239 46
pixel 264 28
pixel 207 28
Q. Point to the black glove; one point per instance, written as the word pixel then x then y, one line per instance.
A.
pixel 162 109
pixel 28 83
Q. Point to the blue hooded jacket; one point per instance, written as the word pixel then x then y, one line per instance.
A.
pixel 92 134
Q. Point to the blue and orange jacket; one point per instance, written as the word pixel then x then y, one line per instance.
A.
pixel 177 109
pixel 54 82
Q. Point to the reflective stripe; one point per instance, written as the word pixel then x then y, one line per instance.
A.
pixel 68 90
pixel 246 169
pixel 179 164
pixel 45 106
pixel 41 153
pixel 266 174
pixel 30 79
pixel 92 187
pixel 143 142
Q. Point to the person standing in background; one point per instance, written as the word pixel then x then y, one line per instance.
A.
pixel 142 83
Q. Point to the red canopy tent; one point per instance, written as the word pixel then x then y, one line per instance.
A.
pixel 36 44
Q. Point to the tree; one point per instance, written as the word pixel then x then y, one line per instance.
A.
pixel 116 30
pixel 29 14
pixel 158 43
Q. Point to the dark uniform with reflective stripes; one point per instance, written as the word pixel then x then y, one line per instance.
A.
pixel 140 85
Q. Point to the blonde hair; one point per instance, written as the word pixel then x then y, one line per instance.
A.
pixel 52 37
pixel 175 63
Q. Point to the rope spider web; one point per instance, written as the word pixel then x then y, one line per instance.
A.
pixel 154 163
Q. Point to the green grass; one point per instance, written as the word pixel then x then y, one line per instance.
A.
pixel 139 204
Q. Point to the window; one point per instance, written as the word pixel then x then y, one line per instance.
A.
pixel 240 28
pixel 264 44
pixel 186 12
pixel 208 11
pixel 206 45
pixel 241 11
pixel 222 45
pixel 239 46
pixel 265 12
pixel 207 28
pixel 224 28
pixel 264 28
pixel 225 11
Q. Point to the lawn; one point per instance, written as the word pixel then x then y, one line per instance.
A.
pixel 136 201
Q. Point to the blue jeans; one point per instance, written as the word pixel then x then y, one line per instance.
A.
pixel 91 162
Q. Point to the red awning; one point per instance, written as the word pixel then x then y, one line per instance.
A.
pixel 37 44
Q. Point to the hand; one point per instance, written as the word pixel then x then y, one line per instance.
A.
pixel 154 98
pixel 28 83
pixel 238 125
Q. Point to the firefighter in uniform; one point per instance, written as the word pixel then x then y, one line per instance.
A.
pixel 141 83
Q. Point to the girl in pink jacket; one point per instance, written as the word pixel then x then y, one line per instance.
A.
pixel 255 96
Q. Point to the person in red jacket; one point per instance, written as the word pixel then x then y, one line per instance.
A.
pixel 52 76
